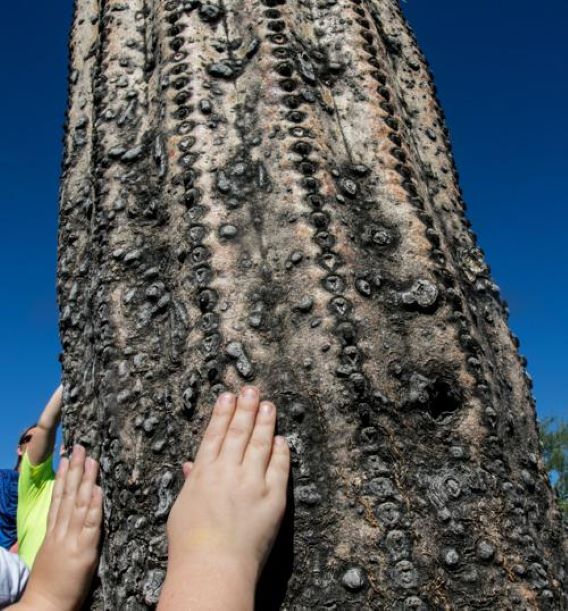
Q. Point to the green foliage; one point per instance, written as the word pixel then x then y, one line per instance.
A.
pixel 554 438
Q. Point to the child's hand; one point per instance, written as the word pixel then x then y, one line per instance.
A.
pixel 67 559
pixel 230 508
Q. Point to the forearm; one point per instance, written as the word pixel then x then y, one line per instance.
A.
pixel 51 414
pixel 43 439
pixel 208 584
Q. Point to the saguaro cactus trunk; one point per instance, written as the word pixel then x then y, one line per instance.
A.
pixel 263 191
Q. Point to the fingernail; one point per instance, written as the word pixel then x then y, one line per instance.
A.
pixel 266 408
pixel 249 392
pixel 227 397
pixel 280 441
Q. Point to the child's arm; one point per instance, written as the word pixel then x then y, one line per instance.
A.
pixel 227 515
pixel 42 442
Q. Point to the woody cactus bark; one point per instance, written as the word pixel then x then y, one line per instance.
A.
pixel 263 191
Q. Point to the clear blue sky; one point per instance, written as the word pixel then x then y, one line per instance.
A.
pixel 500 67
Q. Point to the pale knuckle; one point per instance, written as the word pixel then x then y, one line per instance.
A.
pixel 91 523
pixel 258 444
pixel 247 406
pixel 221 411
pixel 237 431
pixel 211 437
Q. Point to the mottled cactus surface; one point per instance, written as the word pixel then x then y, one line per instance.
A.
pixel 263 191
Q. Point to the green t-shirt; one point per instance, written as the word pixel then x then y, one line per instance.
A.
pixel 35 486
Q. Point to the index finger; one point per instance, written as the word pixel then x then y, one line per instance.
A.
pixel 73 479
pixel 217 428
